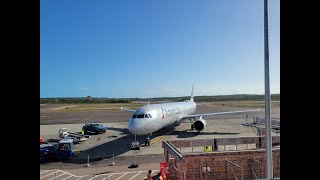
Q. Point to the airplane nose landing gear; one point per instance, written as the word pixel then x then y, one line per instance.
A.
pixel 135 145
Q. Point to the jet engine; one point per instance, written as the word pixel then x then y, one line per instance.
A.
pixel 200 124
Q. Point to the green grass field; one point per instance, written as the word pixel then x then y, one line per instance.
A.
pixel 245 104
pixel 97 107
pixel 117 106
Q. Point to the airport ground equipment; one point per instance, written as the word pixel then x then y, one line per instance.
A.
pixel 47 152
pixel 135 145
pixel 63 150
pixel 77 137
pixel 94 128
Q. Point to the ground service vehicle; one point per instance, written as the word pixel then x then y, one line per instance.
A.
pixel 94 128
pixel 135 145
pixel 63 150
pixel 77 137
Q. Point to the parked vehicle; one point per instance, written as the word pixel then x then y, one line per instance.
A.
pixel 63 150
pixel 94 128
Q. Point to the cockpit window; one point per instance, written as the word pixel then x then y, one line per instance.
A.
pixel 140 116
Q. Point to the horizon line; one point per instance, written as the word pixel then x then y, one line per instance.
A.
pixel 156 97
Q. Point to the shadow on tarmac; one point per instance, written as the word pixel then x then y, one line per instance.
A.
pixel 116 146
pixel 193 133
pixel 122 145
pixel 122 130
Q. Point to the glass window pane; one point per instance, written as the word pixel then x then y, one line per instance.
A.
pixel 150 115
pixel 140 116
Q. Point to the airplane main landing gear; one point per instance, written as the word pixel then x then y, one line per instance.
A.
pixel 192 121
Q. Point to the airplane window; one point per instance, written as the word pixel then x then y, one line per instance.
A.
pixel 146 116
pixel 150 115
pixel 134 116
pixel 140 116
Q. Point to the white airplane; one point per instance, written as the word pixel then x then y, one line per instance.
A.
pixel 152 117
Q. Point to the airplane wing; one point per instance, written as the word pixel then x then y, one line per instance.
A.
pixel 127 109
pixel 218 113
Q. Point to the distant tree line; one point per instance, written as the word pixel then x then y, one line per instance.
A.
pixel 82 100
pixel 89 99
pixel 236 97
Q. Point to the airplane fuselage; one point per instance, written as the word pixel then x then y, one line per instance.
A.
pixel 150 118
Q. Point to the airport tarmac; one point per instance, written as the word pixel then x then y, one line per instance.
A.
pixel 117 140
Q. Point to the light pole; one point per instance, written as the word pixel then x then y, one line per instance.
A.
pixel 269 163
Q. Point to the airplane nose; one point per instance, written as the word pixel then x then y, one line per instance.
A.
pixel 136 127
pixel 132 130
pixel 132 126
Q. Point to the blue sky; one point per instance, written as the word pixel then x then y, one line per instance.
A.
pixel 153 48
